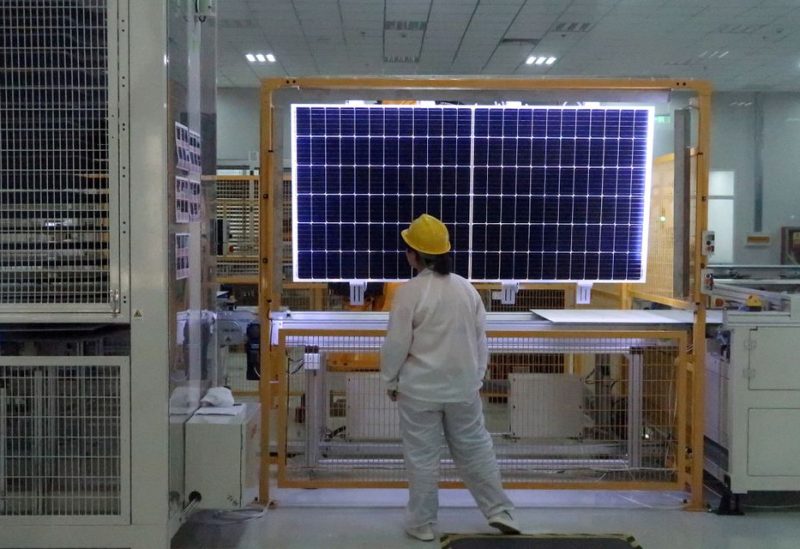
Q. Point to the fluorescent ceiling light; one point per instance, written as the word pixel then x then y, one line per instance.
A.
pixel 540 60
pixel 251 57
pixel 270 58
pixel 723 54
pixel 260 57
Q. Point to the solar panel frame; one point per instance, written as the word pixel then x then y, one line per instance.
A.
pixel 421 166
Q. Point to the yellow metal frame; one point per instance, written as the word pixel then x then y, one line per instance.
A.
pixel 269 277
pixel 279 384
pixel 655 298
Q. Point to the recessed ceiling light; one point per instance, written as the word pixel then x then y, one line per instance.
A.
pixel 716 54
pixel 251 57
pixel 270 58
pixel 540 60
pixel 261 58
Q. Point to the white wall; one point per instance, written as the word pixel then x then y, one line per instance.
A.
pixel 781 166
pixel 237 126
pixel 733 147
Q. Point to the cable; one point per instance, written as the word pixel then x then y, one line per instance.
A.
pixel 236 516
pixel 340 431
pixel 648 506
pixel 750 506
pixel 270 334
pixel 300 363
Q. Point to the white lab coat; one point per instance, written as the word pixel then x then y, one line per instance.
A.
pixel 435 355
pixel 435 349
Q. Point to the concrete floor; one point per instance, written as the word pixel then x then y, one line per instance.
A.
pixel 350 519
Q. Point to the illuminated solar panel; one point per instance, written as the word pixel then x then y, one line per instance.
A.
pixel 529 194
pixel 362 174
pixel 559 193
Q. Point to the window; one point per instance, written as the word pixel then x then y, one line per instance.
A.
pixel 721 214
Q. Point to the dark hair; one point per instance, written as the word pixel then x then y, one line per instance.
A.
pixel 439 264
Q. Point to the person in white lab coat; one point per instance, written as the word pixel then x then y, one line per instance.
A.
pixel 433 362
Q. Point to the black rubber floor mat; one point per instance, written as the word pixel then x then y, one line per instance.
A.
pixel 539 541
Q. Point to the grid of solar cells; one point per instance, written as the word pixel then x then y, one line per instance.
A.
pixel 532 193
pixel 362 174
pixel 559 193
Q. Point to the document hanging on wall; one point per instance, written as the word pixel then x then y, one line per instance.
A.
pixel 181 256
pixel 182 199
pixel 182 146
pixel 188 190
pixel 790 246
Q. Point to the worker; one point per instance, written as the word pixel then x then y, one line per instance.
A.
pixel 433 361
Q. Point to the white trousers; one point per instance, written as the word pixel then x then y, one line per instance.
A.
pixel 422 425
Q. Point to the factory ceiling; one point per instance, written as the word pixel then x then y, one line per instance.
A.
pixel 737 44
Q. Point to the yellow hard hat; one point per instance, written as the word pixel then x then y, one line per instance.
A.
pixel 427 235
pixel 753 301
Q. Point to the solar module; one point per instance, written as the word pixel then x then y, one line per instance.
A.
pixel 529 193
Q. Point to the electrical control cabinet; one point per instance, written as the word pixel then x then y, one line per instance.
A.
pixel 753 399
pixel 222 458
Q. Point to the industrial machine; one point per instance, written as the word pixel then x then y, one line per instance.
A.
pixel 753 382
pixel 108 333
pixel 587 406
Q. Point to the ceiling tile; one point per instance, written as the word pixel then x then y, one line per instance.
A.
pixel 507 58
pixel 405 44
pixel 407 10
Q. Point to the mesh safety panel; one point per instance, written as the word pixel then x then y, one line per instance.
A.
pixel 60 440
pixel 54 152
